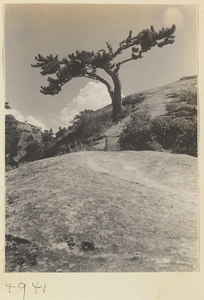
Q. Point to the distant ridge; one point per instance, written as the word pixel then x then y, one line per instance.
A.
pixel 188 77
pixel 17 137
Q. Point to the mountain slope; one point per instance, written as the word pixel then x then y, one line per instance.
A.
pixel 103 211
pixel 160 101
pixel 96 130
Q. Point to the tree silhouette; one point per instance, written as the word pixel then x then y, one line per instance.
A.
pixel 7 106
pixel 86 64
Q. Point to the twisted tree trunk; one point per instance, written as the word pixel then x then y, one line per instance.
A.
pixel 116 97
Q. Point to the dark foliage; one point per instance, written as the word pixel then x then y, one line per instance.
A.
pixel 47 136
pixel 176 135
pixel 85 129
pixel 190 97
pixel 34 152
pixel 61 132
pixel 7 106
pixel 11 143
pixel 86 63
pixel 137 135
pixel 85 126
pixel 175 132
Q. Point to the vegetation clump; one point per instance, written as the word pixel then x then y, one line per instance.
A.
pixel 175 132
pixel 87 127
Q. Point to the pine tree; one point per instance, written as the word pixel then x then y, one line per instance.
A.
pixel 86 64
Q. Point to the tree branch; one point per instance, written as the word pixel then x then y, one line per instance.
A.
pixel 85 63
pixel 99 78
pixel 121 48
pixel 147 39
pixel 124 61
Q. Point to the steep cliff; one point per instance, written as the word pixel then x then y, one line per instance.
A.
pixel 18 135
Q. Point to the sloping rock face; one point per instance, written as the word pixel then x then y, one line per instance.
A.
pixel 97 131
pixel 155 102
pixel 103 212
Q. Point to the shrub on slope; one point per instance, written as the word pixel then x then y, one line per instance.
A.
pixel 85 129
pixel 177 135
pixel 175 132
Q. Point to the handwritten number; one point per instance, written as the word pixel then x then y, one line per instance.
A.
pixel 10 286
pixel 22 285
pixel 36 287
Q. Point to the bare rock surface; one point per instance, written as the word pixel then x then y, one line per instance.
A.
pixel 103 212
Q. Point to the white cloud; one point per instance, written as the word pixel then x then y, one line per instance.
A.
pixel 15 113
pixel 93 96
pixel 30 119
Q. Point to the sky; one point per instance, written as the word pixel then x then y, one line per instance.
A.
pixel 62 29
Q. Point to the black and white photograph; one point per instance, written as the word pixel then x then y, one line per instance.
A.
pixel 101 138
